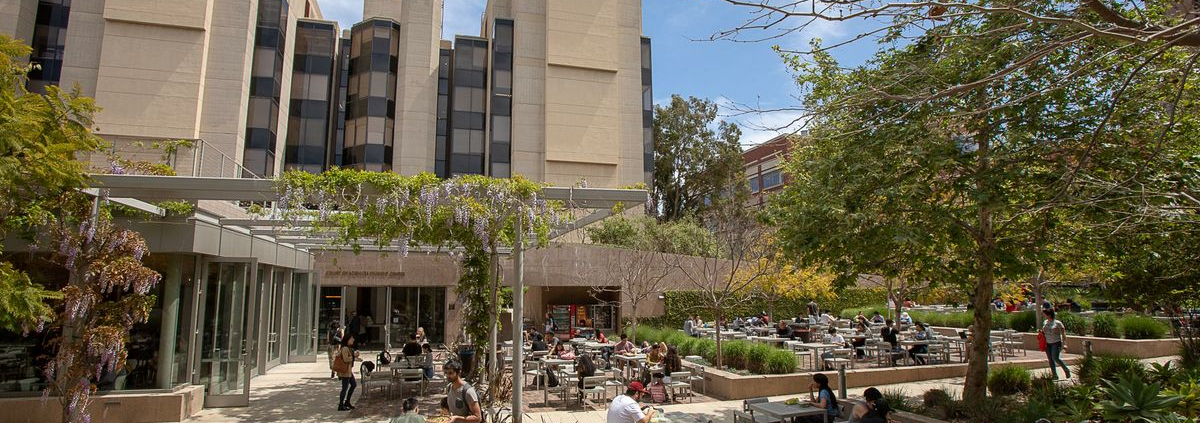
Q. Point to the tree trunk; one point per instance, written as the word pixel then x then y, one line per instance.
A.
pixel 720 315
pixel 1037 299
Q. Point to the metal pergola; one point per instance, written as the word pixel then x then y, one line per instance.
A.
pixel 138 191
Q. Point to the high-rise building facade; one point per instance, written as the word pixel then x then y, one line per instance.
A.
pixel 557 91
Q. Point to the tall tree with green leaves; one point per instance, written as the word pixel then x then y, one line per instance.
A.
pixel 695 166
pixel 965 182
pixel 40 137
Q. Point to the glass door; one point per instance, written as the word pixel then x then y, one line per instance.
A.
pixel 225 350
pixel 275 318
pixel 302 322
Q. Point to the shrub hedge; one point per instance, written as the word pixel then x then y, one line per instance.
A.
pixel 1009 380
pixel 754 357
pixel 680 304
pixel 1104 325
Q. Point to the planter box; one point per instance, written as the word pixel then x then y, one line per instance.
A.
pixel 1136 348
pixel 729 386
pixel 111 408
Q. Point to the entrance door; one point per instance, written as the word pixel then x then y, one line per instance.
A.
pixel 225 350
pixel 275 330
pixel 302 333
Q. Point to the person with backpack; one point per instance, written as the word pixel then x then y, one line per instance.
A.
pixel 874 410
pixel 343 365
pixel 334 340
pixel 462 400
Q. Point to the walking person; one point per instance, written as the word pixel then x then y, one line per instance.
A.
pixel 334 340
pixel 1056 336
pixel 343 365
pixel 462 400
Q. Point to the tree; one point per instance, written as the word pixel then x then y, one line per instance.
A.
pixel 784 281
pixel 40 136
pixel 695 167
pixel 635 275
pixel 684 236
pixel 725 275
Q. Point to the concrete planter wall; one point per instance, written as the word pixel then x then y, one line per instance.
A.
pixel 729 386
pixel 111 408
pixel 1137 348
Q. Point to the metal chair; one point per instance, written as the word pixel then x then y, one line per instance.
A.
pixel 681 381
pixel 748 414
pixel 595 386
pixel 405 378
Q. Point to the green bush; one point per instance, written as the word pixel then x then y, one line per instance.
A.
pixel 1075 324
pixel 940 404
pixel 780 362
pixel 675 338
pixel 1142 327
pixel 1099 368
pixel 707 349
pixel 1009 380
pixel 688 346
pixel 1022 322
pixel 734 353
pixel 756 357
pixel 898 400
pixel 1104 325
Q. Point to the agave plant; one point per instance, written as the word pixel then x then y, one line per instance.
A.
pixel 1132 400
pixel 1078 409
pixel 1161 374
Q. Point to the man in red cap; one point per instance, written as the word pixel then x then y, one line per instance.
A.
pixel 625 408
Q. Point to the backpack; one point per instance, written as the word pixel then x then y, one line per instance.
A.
pixel 384 358
pixel 658 392
pixel 367 367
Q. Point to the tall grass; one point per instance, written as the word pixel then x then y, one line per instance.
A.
pixel 751 356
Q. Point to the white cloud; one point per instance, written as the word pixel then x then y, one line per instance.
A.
pixel 345 12
pixel 759 126
pixel 462 17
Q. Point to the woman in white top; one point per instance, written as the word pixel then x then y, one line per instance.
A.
pixel 1056 335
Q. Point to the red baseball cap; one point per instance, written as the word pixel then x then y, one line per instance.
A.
pixel 637 386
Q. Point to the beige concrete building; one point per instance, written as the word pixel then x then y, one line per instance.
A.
pixel 555 90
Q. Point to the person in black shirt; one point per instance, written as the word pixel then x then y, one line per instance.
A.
pixel 538 344
pixel 584 367
pixel 411 348
pixel 889 334
pixel 784 330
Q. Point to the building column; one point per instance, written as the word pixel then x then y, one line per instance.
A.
pixel 170 321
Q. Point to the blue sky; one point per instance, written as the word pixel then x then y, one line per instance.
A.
pixel 726 72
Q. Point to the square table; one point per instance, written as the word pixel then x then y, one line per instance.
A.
pixel 785 411
pixel 548 363
pixel 630 362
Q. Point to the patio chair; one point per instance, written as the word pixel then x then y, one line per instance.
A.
pixel 839 356
pixel 680 382
pixel 886 355
pixel 595 386
pixel 376 378
pixel 934 353
pixel 698 376
pixel 748 415
pixel 563 390
pixel 406 378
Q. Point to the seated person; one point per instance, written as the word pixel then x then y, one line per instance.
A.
pixel 584 367
pixel 551 339
pixel 920 334
pixel 785 331
pixel 877 318
pixel 826 319
pixel 738 323
pixel 835 338
pixel 905 319
pixel 412 348
pixel 538 344
pixel 890 334
pixel 561 352
pixel 860 317
pixel 860 340
pixel 873 410
pixel 624 346
pixel 646 347
pixel 654 356
pixel 409 413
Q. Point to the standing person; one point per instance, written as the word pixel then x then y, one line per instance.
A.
pixel 689 326
pixel 824 399
pixel 355 325
pixel 334 339
pixel 813 309
pixel 874 410
pixel 1056 336
pixel 409 413
pixel 462 400
pixel 344 366
pixel 550 326
pixel 427 363
pixel 625 408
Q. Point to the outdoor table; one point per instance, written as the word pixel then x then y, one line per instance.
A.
pixel 914 342
pixel 771 340
pixel 630 361
pixel 550 363
pixel 761 330
pixel 785 411
pixel 816 348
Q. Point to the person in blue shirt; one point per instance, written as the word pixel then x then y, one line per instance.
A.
pixel 824 399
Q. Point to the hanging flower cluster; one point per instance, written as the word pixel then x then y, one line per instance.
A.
pixel 107 294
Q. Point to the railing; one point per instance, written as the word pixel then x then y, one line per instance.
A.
pixel 187 157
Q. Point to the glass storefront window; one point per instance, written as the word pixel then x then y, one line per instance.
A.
pixel 414 307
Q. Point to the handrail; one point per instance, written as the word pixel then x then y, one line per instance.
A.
pixel 199 152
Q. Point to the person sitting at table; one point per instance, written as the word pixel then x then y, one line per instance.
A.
pixel 421 338
pixel 689 327
pixel 538 344
pixel 411 348
pixel 824 399
pixel 409 412
pixel 551 339
pixel 584 367
pixel 860 317
pixel 625 409
pixel 766 319
pixel 785 331
pixel 835 338
pixel 561 352
pixel 920 334
pixel 877 318
pixel 427 364
pixel 860 340
pixel 738 323
pixel 601 338
pixel 623 347
pixel 873 410
pixel 827 319
pixel 890 335
pixel 646 347
pixel 905 319
pixel 654 356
